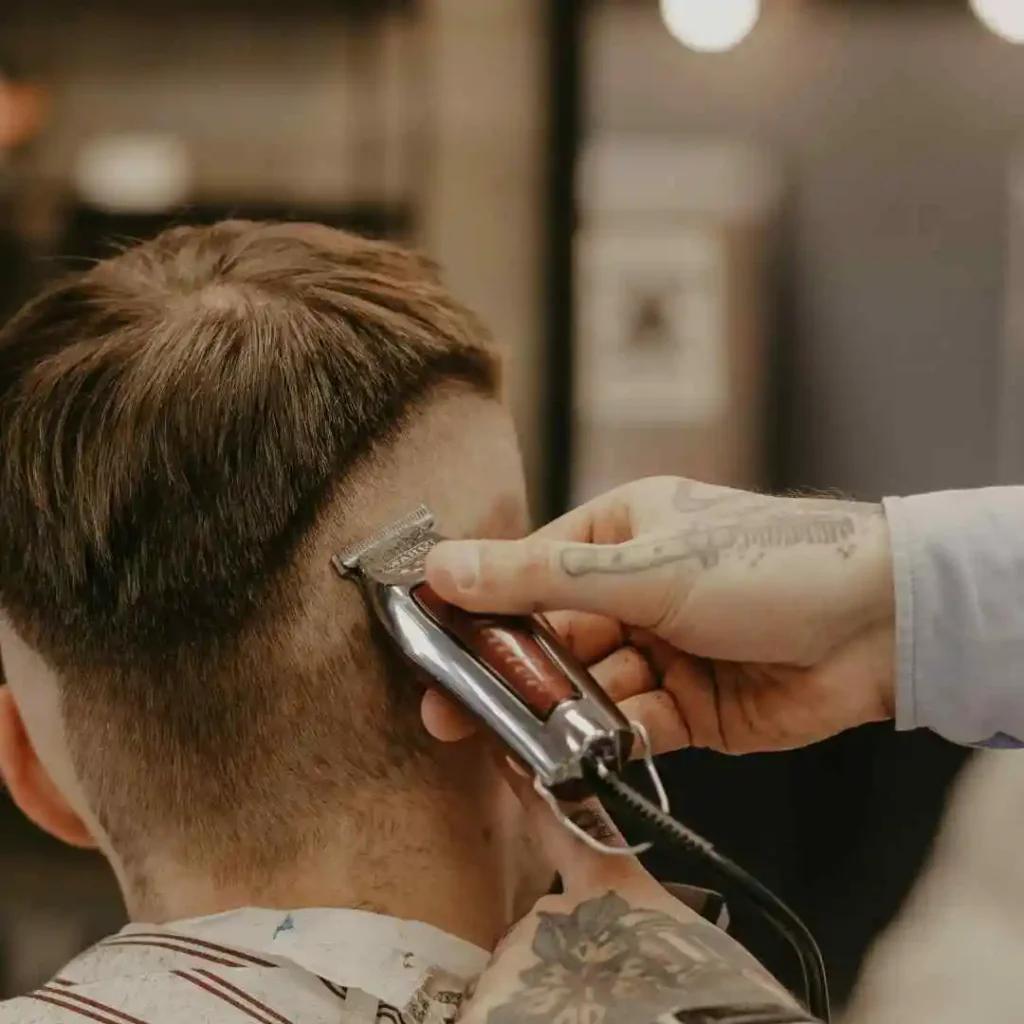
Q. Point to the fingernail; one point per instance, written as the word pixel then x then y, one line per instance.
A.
pixel 462 563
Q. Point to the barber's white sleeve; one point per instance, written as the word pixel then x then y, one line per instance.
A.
pixel 958 559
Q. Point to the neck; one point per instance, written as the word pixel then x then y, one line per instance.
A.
pixel 440 856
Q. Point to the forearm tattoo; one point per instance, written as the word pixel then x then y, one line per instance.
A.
pixel 607 962
pixel 744 527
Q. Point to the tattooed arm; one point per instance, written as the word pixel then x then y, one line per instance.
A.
pixel 616 948
pixel 621 959
pixel 764 623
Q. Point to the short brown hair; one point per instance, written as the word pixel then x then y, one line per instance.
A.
pixel 173 421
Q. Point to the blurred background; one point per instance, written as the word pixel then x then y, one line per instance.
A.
pixel 776 244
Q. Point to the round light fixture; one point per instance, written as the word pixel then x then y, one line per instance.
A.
pixel 1003 17
pixel 711 26
pixel 133 173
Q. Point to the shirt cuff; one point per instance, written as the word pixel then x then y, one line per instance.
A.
pixel 903 589
pixel 958 566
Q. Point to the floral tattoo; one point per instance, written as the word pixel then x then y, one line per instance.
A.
pixel 607 962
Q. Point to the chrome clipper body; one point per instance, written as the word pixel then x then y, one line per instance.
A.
pixel 510 672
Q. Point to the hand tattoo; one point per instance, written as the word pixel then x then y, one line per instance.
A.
pixel 747 529
pixel 607 962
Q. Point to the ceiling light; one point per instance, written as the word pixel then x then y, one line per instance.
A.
pixel 711 26
pixel 1003 17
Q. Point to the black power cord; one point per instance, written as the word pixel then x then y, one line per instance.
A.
pixel 736 883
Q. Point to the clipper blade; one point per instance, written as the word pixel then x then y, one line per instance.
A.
pixel 348 562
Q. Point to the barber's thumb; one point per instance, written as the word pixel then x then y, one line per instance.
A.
pixel 524 576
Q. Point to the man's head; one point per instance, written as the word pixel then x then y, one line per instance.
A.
pixel 189 431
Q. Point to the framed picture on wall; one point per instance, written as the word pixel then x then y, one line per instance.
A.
pixel 651 344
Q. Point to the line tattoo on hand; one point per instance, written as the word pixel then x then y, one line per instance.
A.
pixel 609 962
pixel 747 530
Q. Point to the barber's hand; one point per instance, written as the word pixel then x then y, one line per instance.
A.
pixel 763 623
pixel 615 947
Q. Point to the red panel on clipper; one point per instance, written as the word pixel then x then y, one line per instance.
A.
pixel 507 644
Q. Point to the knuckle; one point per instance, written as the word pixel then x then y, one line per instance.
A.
pixel 631 663
pixel 538 564
pixel 487 571
pixel 642 669
pixel 662 704
pixel 517 568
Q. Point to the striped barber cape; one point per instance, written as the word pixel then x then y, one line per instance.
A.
pixel 323 966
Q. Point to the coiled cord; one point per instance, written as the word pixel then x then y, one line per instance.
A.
pixel 735 882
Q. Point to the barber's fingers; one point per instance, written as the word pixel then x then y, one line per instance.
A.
pixel 658 714
pixel 624 674
pixel 635 582
pixel 589 637
pixel 582 869
pixel 660 654
pixel 693 687
pixel 445 719
pixel 698 705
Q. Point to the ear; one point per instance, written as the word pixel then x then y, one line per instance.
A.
pixel 29 782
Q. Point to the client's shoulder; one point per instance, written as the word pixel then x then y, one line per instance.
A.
pixel 31 1009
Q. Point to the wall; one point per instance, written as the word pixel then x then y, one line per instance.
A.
pixel 484 198
pixel 897 128
pixel 266 107
pixel 441 106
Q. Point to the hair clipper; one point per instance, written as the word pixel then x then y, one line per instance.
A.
pixel 509 671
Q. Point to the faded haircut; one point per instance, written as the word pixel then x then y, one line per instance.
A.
pixel 174 421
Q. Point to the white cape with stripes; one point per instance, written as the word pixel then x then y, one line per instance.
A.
pixel 262 967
